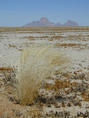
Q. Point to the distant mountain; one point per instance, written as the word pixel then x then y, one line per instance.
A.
pixel 45 22
pixel 42 22
pixel 71 23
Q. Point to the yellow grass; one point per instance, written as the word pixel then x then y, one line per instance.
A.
pixel 30 37
pixel 70 44
pixel 36 64
pixel 39 29
pixel 36 37
pixel 55 37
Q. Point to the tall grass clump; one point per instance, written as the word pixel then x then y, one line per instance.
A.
pixel 36 64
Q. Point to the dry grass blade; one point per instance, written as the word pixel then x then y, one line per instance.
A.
pixel 37 63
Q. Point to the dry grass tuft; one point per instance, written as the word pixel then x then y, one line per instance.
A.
pixel 37 63
pixel 70 44
pixel 29 37
pixel 36 37
pixel 55 37
pixel 85 95
pixel 12 46
pixel 5 68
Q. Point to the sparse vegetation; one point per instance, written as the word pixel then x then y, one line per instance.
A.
pixel 36 37
pixel 12 46
pixel 39 29
pixel 70 44
pixel 30 37
pixel 55 37
pixel 37 63
pixel 41 78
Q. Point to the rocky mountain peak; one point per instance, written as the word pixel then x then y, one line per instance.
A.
pixel 45 22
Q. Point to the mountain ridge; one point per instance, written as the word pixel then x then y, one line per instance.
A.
pixel 45 22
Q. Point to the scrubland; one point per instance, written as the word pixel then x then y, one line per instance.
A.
pixel 44 72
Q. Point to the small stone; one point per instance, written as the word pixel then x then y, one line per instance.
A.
pixel 63 105
pixel 11 99
pixel 69 104
pixel 77 103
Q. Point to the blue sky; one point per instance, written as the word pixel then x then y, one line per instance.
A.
pixel 20 12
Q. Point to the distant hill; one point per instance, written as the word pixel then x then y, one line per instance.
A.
pixel 71 23
pixel 45 22
pixel 42 22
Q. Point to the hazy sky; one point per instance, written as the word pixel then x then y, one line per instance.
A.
pixel 20 12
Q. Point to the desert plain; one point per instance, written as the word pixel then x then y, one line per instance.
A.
pixel 63 95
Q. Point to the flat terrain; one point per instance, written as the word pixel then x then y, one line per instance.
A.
pixel 64 94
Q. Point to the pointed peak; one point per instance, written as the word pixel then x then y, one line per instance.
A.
pixel 45 22
pixel 43 19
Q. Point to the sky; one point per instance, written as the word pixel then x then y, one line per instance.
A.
pixel 21 12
